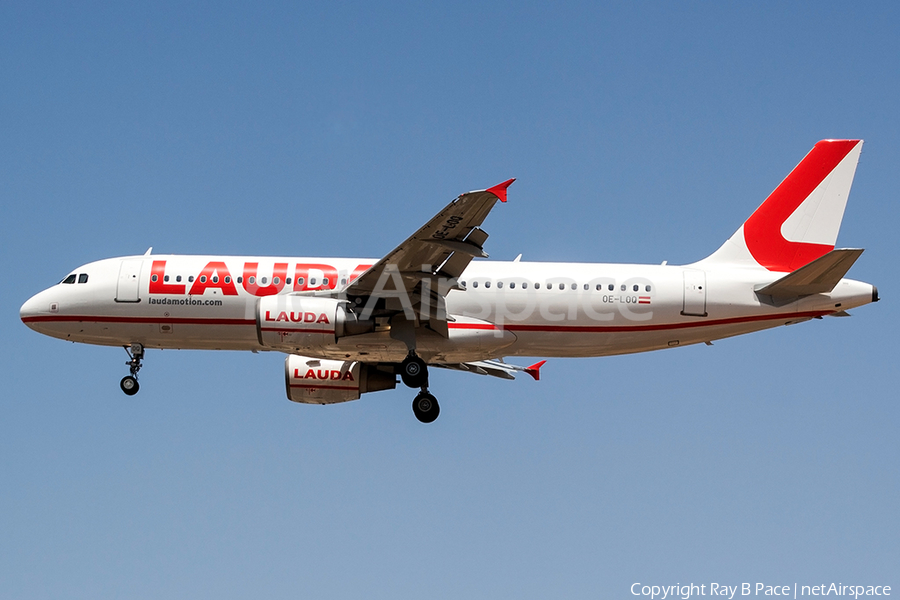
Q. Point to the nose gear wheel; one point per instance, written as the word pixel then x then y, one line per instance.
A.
pixel 129 383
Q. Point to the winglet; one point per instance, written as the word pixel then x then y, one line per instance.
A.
pixel 499 190
pixel 535 370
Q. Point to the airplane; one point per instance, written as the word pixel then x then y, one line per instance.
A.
pixel 350 326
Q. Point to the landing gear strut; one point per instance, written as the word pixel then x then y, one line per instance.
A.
pixel 129 383
pixel 414 373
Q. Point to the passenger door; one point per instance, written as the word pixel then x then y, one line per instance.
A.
pixel 128 286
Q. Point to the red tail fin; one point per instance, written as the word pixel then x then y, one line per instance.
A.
pixel 800 220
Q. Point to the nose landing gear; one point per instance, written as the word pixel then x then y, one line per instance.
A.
pixel 414 373
pixel 129 383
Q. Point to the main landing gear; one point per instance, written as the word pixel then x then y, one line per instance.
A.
pixel 129 383
pixel 414 373
pixel 426 407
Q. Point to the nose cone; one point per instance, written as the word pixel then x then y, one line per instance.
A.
pixel 28 310
pixel 37 309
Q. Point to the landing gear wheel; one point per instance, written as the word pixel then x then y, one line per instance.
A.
pixel 426 408
pixel 414 372
pixel 129 385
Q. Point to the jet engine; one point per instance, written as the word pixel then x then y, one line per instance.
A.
pixel 292 323
pixel 318 381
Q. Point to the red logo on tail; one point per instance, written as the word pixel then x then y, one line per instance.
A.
pixel 762 231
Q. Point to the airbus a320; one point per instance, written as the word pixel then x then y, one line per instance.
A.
pixel 353 325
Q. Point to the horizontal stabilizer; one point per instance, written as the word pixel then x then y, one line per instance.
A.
pixel 818 277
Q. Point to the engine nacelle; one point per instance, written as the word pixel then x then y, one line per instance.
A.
pixel 318 381
pixel 292 323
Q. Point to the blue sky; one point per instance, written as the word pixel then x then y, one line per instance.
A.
pixel 639 132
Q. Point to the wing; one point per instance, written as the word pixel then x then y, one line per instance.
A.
pixel 443 247
pixel 424 268
pixel 495 368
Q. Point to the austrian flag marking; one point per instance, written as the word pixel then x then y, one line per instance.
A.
pixel 643 299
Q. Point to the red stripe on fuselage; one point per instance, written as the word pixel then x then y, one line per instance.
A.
pixel 637 328
pixel 482 326
pixel 135 320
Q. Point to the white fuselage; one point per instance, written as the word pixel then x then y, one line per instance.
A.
pixel 504 308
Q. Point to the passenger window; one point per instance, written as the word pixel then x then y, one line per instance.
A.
pixel 537 286
pixel 190 279
pixel 324 281
pixel 239 279
pixel 263 280
pixel 487 284
pixel 524 285
pixel 166 278
pixel 474 284
pixel 288 281
pixel 203 279
pixel 611 287
pixel 154 278
pixel 343 282
pixel 562 286
pixel 215 279
pixel 574 286
pixel 82 278
pixel 512 285
pixel 300 280
pixel 227 279
pixel 312 281
pixel 462 284
pixel 276 280
pixel 586 287
pixel 623 287
pixel 636 287
pixel 178 278
pixel 499 284
pixel 599 286
pixel 647 288
pixel 251 280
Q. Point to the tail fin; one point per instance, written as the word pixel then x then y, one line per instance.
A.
pixel 799 222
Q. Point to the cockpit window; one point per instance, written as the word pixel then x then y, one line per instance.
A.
pixel 82 278
pixel 69 279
